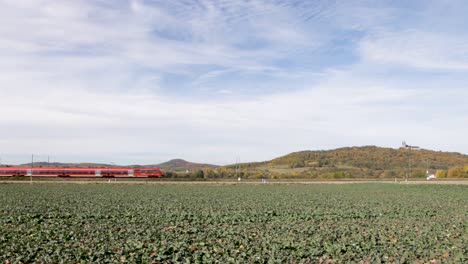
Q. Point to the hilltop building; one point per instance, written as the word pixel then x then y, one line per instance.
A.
pixel 406 146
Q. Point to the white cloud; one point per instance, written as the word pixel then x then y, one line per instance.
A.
pixel 340 111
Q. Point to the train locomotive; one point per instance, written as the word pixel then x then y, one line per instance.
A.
pixel 45 171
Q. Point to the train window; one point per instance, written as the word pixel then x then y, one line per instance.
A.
pixel 146 171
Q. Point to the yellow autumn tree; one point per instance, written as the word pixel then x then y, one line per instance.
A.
pixel 455 172
pixel 441 174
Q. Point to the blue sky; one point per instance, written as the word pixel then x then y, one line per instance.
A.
pixel 209 81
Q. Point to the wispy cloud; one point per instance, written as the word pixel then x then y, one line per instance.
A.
pixel 140 81
pixel 417 49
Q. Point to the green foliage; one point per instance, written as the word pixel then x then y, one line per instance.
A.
pixel 337 175
pixel 358 223
pixel 170 174
pixel 297 164
pixel 199 174
pixel 419 174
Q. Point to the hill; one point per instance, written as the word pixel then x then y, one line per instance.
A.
pixel 367 161
pixel 183 165
pixel 372 157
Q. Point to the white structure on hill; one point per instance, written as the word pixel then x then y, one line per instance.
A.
pixel 406 146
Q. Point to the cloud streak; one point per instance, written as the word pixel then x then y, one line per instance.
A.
pixel 418 49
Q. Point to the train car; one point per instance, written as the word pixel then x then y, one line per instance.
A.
pixel 43 171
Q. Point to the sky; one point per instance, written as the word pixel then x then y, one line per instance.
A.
pixel 213 81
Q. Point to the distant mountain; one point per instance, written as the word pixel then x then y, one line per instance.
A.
pixel 183 165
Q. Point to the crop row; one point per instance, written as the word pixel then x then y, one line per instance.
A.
pixel 368 223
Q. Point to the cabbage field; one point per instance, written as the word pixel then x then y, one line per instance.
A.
pixel 323 223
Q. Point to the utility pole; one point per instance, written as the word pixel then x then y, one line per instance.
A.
pixel 32 165
pixel 237 168
pixel 237 174
pixel 408 175
pixel 427 167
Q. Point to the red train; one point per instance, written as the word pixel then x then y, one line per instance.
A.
pixel 79 171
